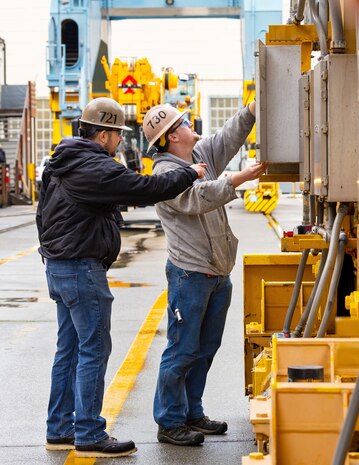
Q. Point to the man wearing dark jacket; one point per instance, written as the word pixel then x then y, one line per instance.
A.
pixel 78 227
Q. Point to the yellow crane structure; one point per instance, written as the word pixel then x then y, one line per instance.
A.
pixel 134 85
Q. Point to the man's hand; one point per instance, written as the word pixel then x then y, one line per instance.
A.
pixel 254 171
pixel 249 173
pixel 252 108
pixel 200 168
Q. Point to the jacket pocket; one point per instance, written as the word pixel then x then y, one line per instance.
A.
pixel 232 249
pixel 224 250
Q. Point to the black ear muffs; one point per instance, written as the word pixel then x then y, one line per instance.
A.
pixel 81 132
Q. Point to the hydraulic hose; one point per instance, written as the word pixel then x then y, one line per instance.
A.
pixel 320 28
pixel 338 41
pixel 295 294
pixel 324 14
pixel 317 207
pixel 299 14
pixel 303 320
pixel 328 269
pixel 331 214
pixel 348 428
pixel 325 233
pixel 333 286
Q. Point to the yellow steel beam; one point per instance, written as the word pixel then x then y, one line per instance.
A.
pixel 301 242
pixel 291 34
pixel 280 177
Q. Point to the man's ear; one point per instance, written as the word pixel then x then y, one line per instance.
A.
pixel 101 136
pixel 172 137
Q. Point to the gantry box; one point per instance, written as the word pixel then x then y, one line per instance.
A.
pixel 335 128
pixel 278 70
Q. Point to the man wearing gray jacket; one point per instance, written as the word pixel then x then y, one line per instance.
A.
pixel 202 251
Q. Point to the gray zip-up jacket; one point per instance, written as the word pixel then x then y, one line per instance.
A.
pixel 195 222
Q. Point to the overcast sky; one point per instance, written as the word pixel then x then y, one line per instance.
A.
pixel 194 46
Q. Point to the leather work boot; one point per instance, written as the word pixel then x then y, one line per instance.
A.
pixel 67 443
pixel 207 426
pixel 109 447
pixel 180 436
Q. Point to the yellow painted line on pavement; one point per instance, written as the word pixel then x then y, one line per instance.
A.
pixel 272 222
pixel 125 377
pixel 19 255
pixel 123 284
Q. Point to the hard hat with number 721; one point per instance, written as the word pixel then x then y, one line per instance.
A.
pixel 104 112
pixel 158 121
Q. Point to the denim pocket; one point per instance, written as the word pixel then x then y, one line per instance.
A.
pixel 185 274
pixel 64 286
pixel 99 283
pixel 174 272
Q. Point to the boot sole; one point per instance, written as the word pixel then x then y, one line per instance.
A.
pixel 59 447
pixel 98 454
pixel 178 443
pixel 207 431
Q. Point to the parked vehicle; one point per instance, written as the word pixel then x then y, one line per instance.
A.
pixel 39 170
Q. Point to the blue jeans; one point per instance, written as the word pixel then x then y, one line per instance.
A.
pixel 203 303
pixel 83 299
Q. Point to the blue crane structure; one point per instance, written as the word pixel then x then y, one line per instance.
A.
pixel 79 35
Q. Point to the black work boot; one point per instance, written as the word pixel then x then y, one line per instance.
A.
pixel 109 447
pixel 207 426
pixel 67 443
pixel 180 436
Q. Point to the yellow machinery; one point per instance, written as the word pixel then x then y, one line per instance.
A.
pixel 264 198
pixel 249 93
pixel 301 321
pixel 134 85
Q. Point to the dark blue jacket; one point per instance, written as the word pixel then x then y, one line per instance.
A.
pixel 82 186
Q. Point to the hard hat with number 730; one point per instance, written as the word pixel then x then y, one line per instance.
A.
pixel 158 121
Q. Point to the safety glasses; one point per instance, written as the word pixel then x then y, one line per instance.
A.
pixel 118 131
pixel 184 123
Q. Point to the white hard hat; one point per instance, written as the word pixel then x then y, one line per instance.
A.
pixel 158 121
pixel 104 112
